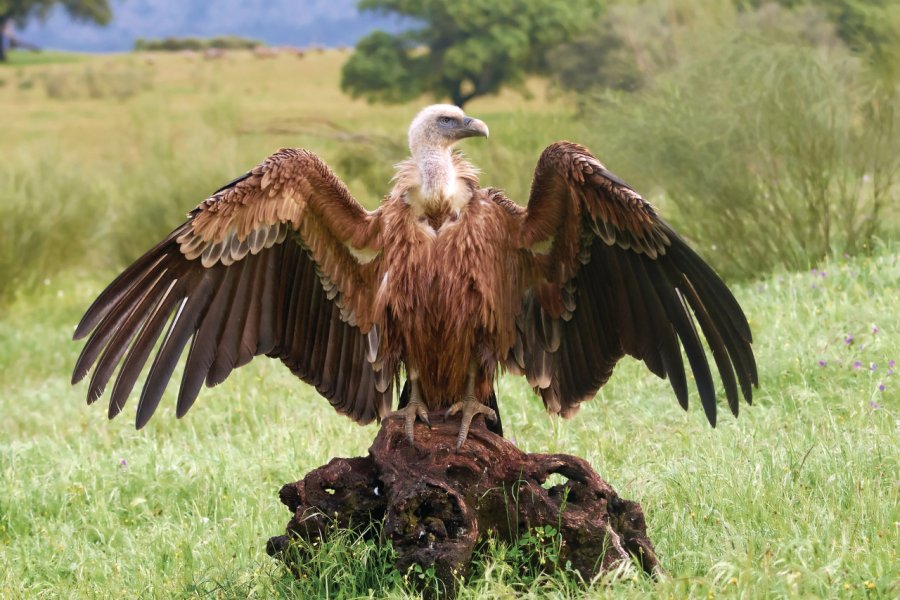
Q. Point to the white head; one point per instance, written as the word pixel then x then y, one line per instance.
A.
pixel 439 126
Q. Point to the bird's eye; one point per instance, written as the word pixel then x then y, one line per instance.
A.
pixel 446 120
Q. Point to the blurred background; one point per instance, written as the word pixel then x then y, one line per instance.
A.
pixel 767 131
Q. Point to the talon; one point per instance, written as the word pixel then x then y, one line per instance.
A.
pixel 469 407
pixel 422 413
pixel 415 409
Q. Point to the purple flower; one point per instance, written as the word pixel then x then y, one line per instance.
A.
pixel 123 463
pixel 823 274
pixel 880 387
pixel 848 339
pixel 815 271
pixel 892 363
pixel 874 405
pixel 857 364
pixel 875 329
pixel 822 363
pixel 873 367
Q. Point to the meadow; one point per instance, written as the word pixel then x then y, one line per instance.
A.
pixel 799 497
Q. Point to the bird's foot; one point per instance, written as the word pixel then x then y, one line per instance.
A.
pixel 415 409
pixel 469 407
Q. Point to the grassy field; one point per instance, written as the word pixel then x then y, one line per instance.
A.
pixel 797 498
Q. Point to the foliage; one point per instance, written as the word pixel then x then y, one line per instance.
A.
pixel 634 42
pixel 769 151
pixel 460 49
pixel 22 11
pixel 174 44
pixel 869 26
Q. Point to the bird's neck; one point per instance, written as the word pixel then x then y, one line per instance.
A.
pixel 437 176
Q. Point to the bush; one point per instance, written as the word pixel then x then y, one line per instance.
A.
pixel 768 150
pixel 173 44
pixel 56 215
pixel 45 212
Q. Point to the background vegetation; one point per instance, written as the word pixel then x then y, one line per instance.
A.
pixel 766 133
pixel 177 44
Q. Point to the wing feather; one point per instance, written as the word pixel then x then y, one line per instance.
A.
pixel 628 284
pixel 264 266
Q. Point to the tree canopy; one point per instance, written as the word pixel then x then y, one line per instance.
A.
pixel 21 12
pixel 460 49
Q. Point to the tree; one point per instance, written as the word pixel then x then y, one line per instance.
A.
pixel 22 11
pixel 460 49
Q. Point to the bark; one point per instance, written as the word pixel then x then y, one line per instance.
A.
pixel 435 504
pixel 460 99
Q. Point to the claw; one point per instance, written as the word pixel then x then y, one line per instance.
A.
pixel 469 407
pixel 415 409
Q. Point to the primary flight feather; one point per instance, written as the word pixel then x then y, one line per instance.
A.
pixel 445 279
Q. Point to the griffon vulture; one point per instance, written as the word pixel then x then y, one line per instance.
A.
pixel 446 279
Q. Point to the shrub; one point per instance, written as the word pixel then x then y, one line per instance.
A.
pixel 173 44
pixel 768 150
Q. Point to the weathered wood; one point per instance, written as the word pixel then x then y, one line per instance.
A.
pixel 436 503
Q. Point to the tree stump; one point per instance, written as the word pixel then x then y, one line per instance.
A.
pixel 436 503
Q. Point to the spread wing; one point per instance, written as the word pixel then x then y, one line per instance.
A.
pixel 607 277
pixel 277 262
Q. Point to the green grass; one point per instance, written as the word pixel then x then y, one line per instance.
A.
pixel 19 58
pixel 797 498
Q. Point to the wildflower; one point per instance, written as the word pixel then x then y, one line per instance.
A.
pixel 874 405
pixel 822 363
pixel 869 585
pixel 857 364
pixel 848 339
pixel 875 329
pixel 123 463
pixel 873 367
pixel 880 387
pixel 823 274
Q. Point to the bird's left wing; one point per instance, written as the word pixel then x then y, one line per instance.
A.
pixel 277 262
pixel 604 276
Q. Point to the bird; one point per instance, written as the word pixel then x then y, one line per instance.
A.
pixel 445 282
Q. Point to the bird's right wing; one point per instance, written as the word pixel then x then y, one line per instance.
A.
pixel 278 262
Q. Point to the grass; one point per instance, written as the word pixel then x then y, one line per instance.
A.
pixel 798 497
pixel 17 58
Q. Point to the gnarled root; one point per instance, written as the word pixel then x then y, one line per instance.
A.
pixel 436 504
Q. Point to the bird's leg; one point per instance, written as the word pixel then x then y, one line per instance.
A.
pixel 470 406
pixel 414 408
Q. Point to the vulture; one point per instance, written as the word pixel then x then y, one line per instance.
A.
pixel 446 282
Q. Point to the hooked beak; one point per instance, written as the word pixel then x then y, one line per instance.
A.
pixel 472 127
